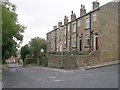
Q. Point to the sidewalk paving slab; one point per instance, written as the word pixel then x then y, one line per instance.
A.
pixel 101 65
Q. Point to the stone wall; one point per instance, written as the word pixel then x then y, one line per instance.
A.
pixel 119 31
pixel 93 58
pixel 54 61
pixel 69 62
pixel 58 61
pixel 73 61
pixel 108 24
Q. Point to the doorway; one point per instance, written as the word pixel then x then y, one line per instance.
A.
pixel 80 43
pixel 95 42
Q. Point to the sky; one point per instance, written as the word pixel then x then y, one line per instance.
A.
pixel 39 16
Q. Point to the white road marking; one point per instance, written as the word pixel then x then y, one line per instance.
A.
pixel 83 69
pixel 52 77
pixel 57 80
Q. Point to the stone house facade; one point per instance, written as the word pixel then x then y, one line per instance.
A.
pixel 95 31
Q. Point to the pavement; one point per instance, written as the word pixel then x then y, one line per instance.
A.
pixel 100 65
pixel 22 77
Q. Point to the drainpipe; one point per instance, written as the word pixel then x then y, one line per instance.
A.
pixel 66 44
pixel 90 33
pixel 76 35
pixel 70 38
pixel 55 41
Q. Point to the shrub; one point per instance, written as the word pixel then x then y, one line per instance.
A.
pixel 29 59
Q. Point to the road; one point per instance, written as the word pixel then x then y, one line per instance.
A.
pixel 105 77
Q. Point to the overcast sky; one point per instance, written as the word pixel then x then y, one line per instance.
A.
pixel 39 16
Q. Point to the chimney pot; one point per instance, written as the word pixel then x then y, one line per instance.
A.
pixel 54 27
pixel 73 16
pixel 81 5
pixel 60 24
pixel 95 4
pixel 82 10
pixel 65 19
pixel 72 12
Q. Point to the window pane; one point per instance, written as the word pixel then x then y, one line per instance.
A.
pixel 74 27
pixel 74 42
pixel 64 31
pixel 64 43
pixel 87 22
pixel 88 40
pixel 79 22
pixel 94 17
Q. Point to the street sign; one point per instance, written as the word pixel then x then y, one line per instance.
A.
pixel 42 50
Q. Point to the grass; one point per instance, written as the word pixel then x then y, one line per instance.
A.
pixel 4 67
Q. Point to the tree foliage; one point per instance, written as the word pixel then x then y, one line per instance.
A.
pixel 10 29
pixel 33 48
pixel 36 44
pixel 25 50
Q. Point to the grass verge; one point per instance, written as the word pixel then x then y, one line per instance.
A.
pixel 4 67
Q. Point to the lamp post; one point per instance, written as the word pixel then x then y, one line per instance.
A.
pixel 61 48
pixel 42 57
pixel 48 48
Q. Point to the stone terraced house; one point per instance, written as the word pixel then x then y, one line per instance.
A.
pixel 93 33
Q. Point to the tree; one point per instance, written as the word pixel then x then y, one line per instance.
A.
pixel 31 51
pixel 25 50
pixel 37 43
pixel 10 29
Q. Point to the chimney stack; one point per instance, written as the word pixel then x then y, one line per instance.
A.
pixel 65 19
pixel 54 27
pixel 59 24
pixel 82 10
pixel 73 16
pixel 95 4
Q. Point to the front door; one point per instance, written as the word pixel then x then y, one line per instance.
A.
pixel 80 43
pixel 95 42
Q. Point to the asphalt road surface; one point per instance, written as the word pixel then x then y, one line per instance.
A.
pixel 105 77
